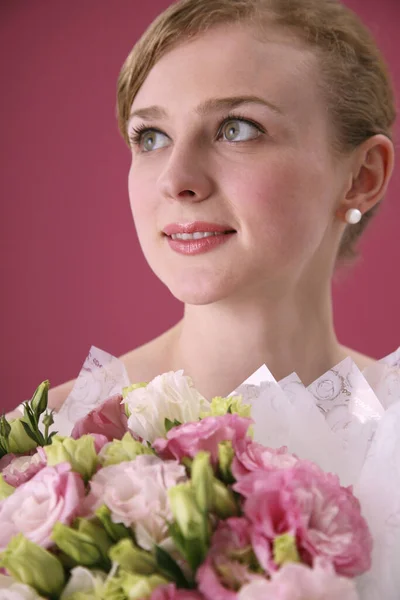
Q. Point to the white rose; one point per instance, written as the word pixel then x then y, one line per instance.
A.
pixel 11 590
pixel 169 396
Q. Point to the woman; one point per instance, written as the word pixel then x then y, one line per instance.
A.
pixel 260 133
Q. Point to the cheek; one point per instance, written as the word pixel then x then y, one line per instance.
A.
pixel 284 204
pixel 141 191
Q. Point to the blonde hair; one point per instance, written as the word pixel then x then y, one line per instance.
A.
pixel 354 77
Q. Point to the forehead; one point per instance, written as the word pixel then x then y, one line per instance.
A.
pixel 233 59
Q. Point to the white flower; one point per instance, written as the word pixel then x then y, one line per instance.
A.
pixel 169 396
pixel 11 590
pixel 83 580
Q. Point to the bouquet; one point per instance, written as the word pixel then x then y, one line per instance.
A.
pixel 161 494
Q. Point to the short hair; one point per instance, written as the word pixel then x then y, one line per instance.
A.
pixel 354 77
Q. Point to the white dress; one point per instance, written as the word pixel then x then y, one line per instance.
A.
pixel 347 421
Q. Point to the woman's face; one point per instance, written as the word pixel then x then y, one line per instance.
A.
pixel 261 167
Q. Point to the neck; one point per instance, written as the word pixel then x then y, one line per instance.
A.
pixel 219 345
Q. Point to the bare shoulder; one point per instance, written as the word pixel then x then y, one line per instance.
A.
pixel 59 393
pixel 147 361
pixel 362 360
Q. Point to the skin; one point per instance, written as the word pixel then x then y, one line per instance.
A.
pixel 265 295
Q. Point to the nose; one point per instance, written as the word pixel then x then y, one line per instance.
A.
pixel 186 176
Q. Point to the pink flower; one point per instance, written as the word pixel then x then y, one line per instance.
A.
pixel 99 441
pixel 222 573
pixel 171 592
pixel 6 459
pixel 324 517
pixel 22 468
pixel 136 494
pixel 109 419
pixel 251 456
pixel 188 439
pixel 53 494
pixel 295 581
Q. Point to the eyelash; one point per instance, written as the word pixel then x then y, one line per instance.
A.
pixel 138 132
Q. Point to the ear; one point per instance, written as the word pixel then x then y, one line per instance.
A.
pixel 372 167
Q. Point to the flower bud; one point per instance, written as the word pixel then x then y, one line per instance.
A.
pixel 191 529
pixel 81 547
pixel 285 549
pixel 187 514
pixel 122 450
pixel 225 457
pixel 94 529
pixel 19 441
pixel 221 406
pixel 139 587
pixel 39 398
pixel 133 559
pixel 224 501
pixel 202 477
pixel 34 566
pixel 48 419
pixel 80 453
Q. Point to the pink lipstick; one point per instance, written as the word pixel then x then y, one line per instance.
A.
pixel 197 237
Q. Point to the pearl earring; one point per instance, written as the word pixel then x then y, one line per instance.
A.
pixel 353 216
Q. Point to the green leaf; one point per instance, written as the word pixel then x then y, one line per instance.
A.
pixel 28 431
pixel 5 427
pixel 29 415
pixel 168 424
pixel 177 536
pixel 170 568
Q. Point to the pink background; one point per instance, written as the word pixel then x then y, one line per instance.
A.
pixel 72 271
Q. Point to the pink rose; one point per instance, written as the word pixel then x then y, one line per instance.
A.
pixel 188 439
pixel 171 592
pixel 295 581
pixel 53 494
pixel 251 456
pixel 324 517
pixel 136 492
pixel 109 419
pixel 222 573
pixel 22 468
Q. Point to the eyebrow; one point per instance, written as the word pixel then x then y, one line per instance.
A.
pixel 209 106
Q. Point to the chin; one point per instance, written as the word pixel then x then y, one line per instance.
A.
pixel 197 294
pixel 196 288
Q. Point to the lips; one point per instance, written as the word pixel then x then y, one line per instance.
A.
pixel 196 226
